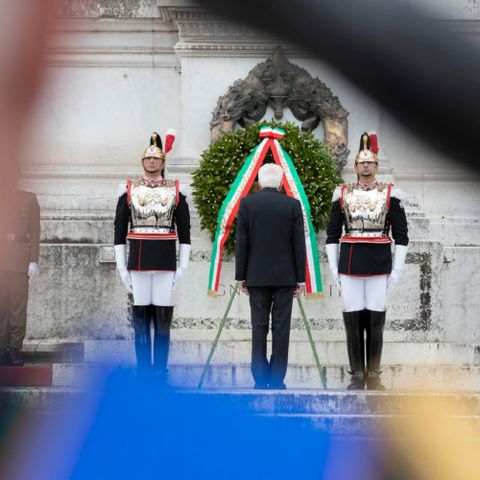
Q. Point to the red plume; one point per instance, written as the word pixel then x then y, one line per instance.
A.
pixel 169 139
pixel 373 142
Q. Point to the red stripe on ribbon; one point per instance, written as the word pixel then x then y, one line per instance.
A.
pixel 289 192
pixel 234 211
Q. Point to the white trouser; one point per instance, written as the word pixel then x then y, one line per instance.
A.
pixel 359 293
pixel 152 288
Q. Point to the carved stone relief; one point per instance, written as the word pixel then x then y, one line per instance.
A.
pixel 280 84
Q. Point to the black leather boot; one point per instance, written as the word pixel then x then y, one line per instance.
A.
pixel 16 358
pixel 4 356
pixel 375 326
pixel 355 347
pixel 143 343
pixel 162 321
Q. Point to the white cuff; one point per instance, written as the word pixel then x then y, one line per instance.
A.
pixel 399 257
pixel 32 269
pixel 332 255
pixel 121 256
pixel 184 255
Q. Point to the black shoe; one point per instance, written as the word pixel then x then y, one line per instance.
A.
pixel 160 378
pixel 357 382
pixel 277 386
pixel 16 358
pixel 5 356
pixel 373 381
pixel 261 386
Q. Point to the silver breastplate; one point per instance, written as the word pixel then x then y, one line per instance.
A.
pixel 365 211
pixel 152 206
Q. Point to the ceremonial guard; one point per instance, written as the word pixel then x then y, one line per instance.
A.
pixel 22 224
pixel 367 211
pixel 152 213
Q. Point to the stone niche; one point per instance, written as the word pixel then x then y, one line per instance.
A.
pixel 281 85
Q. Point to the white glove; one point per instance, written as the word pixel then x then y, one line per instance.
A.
pixel 178 274
pixel 398 262
pixel 336 278
pixel 32 270
pixel 332 255
pixel 183 260
pixel 121 261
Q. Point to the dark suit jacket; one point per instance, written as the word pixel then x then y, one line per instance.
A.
pixel 270 241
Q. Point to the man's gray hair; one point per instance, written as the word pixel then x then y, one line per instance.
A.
pixel 270 175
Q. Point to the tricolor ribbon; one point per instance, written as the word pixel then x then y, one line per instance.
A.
pixel 240 188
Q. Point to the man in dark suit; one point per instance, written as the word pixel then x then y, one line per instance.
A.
pixel 270 263
pixel 22 224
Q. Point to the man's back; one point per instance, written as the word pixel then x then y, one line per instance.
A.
pixel 270 247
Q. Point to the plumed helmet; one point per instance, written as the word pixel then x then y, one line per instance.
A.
pixel 153 151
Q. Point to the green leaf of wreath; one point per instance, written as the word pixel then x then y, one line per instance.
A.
pixel 222 161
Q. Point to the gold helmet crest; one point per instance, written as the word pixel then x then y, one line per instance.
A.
pixel 153 151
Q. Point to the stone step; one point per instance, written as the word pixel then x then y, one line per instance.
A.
pixel 363 414
pixel 300 352
pixel 38 398
pixel 365 426
pixel 52 351
pixel 26 376
pixel 39 358
pixel 317 402
pixel 442 378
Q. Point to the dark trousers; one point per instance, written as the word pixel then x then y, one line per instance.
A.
pixel 278 301
pixel 13 311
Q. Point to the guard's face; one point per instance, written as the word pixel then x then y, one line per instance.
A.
pixel 366 168
pixel 153 165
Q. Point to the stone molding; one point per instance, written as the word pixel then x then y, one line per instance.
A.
pixel 188 9
pixel 99 42
pixel 94 34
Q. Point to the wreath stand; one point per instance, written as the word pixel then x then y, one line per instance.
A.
pixel 321 370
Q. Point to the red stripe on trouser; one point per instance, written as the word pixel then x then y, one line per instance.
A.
pixel 139 255
pixel 350 258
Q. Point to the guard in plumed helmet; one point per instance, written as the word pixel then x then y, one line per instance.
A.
pixel 363 215
pixel 152 213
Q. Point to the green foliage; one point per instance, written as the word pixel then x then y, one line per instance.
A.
pixel 222 161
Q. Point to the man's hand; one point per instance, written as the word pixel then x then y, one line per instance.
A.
pixel 32 270
pixel 126 278
pixel 392 280
pixel 299 290
pixel 243 288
